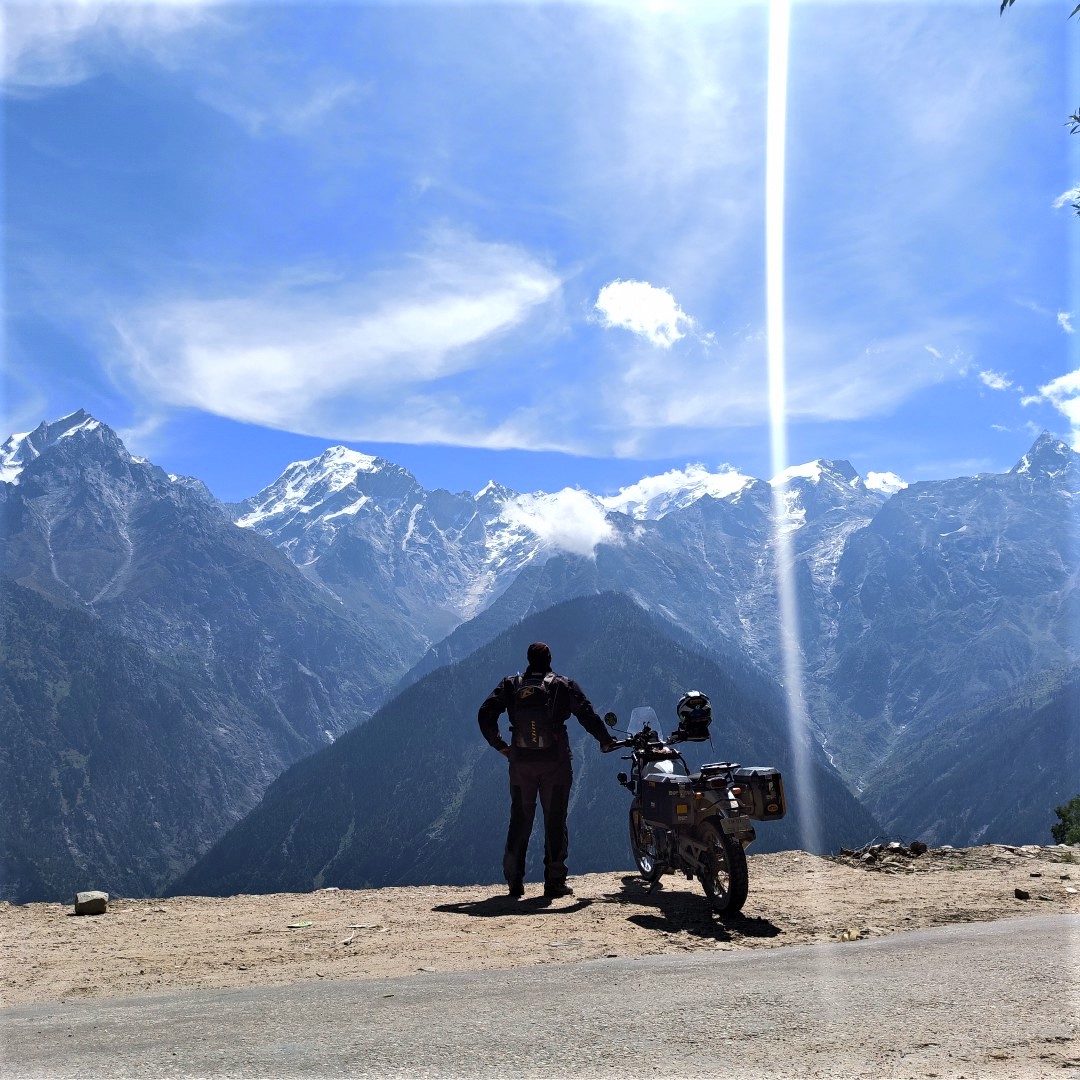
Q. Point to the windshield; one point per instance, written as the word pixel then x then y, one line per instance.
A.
pixel 661 767
pixel 641 716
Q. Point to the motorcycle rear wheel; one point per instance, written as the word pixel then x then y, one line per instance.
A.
pixel 643 845
pixel 726 879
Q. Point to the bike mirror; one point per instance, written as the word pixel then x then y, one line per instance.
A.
pixel 610 719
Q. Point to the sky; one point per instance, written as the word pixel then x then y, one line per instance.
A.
pixel 526 241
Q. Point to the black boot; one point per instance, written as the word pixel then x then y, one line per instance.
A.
pixel 554 889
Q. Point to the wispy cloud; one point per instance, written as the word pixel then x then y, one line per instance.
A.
pixel 142 435
pixel 1067 198
pixel 48 44
pixel 646 310
pixel 21 412
pixel 338 357
pixel 673 396
pixel 994 380
pixel 290 110
pixel 1064 319
pixel 1064 394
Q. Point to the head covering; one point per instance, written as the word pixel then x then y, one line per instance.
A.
pixel 539 656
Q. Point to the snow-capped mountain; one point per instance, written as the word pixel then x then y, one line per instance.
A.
pixel 417 561
pixel 695 546
pixel 424 562
pixel 655 496
pixel 283 621
pixel 19 450
pixel 225 663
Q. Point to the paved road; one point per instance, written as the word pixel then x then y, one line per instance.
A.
pixel 990 999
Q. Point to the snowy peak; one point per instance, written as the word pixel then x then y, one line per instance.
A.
pixel 822 487
pixel 19 450
pixel 820 471
pixel 338 482
pixel 1049 457
pixel 492 495
pixel 653 497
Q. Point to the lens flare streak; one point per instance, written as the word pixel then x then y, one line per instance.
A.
pixel 783 524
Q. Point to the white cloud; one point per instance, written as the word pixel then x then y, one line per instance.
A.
pixel 568 520
pixel 59 44
pixel 1067 198
pixel 643 309
pixel 1064 319
pixel 1064 394
pixel 341 358
pixel 887 482
pixel 994 380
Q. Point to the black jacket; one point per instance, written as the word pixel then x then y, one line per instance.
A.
pixel 569 699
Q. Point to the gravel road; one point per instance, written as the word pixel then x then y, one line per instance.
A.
pixel 982 1000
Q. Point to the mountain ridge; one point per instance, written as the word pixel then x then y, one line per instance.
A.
pixel 408 797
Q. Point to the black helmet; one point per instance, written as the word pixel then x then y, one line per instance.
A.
pixel 695 716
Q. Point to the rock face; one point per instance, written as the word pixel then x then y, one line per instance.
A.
pixel 415 563
pixel 956 592
pixel 994 772
pixel 113 764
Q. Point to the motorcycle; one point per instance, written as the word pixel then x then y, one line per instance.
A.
pixel 698 824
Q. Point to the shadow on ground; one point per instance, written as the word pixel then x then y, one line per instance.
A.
pixel 686 913
pixel 502 906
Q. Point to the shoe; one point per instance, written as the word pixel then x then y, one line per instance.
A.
pixel 516 889
pixel 556 889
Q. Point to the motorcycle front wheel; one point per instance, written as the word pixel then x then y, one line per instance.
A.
pixel 643 844
pixel 726 877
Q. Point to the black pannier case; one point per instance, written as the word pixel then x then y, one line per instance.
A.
pixel 762 794
pixel 667 800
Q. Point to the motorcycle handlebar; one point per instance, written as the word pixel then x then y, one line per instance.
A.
pixel 634 741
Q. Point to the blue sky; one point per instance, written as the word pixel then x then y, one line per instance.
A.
pixel 526 241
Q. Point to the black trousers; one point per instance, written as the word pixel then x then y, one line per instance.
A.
pixel 550 780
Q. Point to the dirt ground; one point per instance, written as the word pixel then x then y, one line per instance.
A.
pixel 47 954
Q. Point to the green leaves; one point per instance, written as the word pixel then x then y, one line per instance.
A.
pixel 1067 830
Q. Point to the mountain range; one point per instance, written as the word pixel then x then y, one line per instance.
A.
pixel 303 609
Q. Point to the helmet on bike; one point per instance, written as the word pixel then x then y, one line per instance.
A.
pixel 695 716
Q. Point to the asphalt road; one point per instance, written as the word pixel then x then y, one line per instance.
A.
pixel 984 999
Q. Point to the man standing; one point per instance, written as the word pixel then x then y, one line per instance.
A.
pixel 539 704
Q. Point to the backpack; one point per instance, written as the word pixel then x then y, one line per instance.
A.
pixel 532 712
